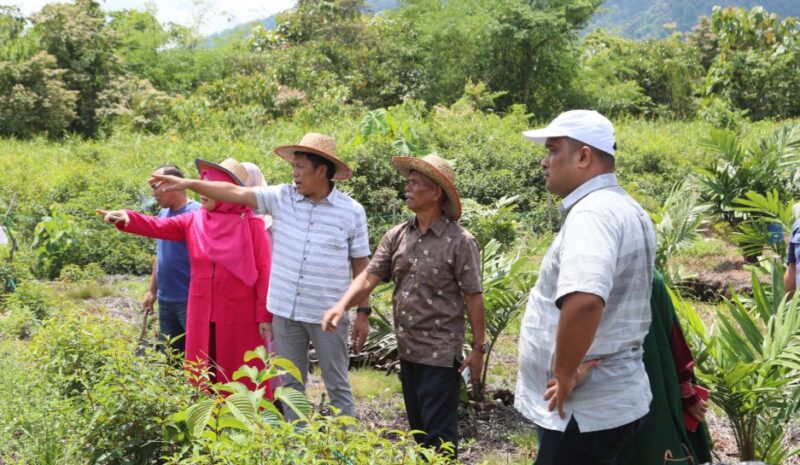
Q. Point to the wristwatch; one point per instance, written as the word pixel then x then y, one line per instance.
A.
pixel 482 348
pixel 366 310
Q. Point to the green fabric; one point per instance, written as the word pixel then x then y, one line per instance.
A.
pixel 664 429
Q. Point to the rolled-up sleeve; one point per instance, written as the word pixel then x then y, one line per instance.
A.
pixel 267 199
pixel 588 256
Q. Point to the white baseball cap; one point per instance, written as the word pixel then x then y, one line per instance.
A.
pixel 587 126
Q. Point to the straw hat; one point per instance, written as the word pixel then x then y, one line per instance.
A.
pixel 229 166
pixel 318 144
pixel 440 172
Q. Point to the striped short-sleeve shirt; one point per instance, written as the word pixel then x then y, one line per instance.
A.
pixel 606 247
pixel 311 249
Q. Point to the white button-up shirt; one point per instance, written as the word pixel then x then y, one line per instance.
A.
pixel 312 247
pixel 606 247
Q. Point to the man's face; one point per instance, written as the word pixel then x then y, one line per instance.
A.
pixel 163 198
pixel 421 192
pixel 560 166
pixel 306 178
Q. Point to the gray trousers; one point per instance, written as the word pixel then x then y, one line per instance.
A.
pixel 291 341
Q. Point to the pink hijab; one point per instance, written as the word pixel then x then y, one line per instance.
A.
pixel 224 234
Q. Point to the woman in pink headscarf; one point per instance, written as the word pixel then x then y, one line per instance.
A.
pixel 229 255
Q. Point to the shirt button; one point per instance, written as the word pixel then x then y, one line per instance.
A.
pixel 298 293
pixel 419 240
pixel 301 276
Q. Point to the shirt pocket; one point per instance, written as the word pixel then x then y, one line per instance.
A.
pixel 439 277
pixel 330 235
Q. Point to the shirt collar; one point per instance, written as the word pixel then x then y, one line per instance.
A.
pixel 437 227
pixel 332 198
pixel 603 181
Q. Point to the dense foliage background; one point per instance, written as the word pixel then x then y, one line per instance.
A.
pixel 93 101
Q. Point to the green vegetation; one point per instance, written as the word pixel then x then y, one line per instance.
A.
pixel 641 19
pixel 91 103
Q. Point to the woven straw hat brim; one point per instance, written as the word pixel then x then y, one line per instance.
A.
pixel 452 207
pixel 205 164
pixel 343 172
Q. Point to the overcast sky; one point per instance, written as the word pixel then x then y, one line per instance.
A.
pixel 219 15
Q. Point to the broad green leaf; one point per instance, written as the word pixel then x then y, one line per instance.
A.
pixel 287 365
pixel 233 387
pixel 295 400
pixel 260 352
pixel 231 423
pixel 246 371
pixel 198 415
pixel 242 408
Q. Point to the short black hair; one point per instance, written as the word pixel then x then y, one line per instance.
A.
pixel 317 160
pixel 606 159
pixel 171 170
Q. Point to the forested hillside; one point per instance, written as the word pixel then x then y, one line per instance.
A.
pixel 707 124
pixel 657 18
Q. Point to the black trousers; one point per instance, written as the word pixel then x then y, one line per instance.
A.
pixel 575 448
pixel 431 396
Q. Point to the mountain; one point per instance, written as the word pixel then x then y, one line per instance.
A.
pixel 635 19
pixel 657 18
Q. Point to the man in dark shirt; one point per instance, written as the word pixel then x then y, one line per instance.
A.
pixel 169 283
pixel 435 265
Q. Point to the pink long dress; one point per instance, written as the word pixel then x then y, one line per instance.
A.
pixel 223 313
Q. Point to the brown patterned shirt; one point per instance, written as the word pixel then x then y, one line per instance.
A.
pixel 432 272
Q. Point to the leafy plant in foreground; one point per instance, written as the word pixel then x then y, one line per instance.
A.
pixel 750 361
pixel 235 425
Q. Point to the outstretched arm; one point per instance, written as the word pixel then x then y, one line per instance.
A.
pixel 171 229
pixel 222 191
pixel 358 291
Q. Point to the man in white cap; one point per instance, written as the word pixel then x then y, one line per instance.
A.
pixel 581 377
pixel 320 237
pixel 435 265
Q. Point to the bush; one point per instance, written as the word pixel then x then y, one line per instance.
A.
pixel 73 346
pixel 98 402
pixel 235 425
pixel 497 223
pixel 16 322
pixel 34 296
pixel 135 103
pixel 34 99
pixel 722 114
pixel 35 425
pixel 14 273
